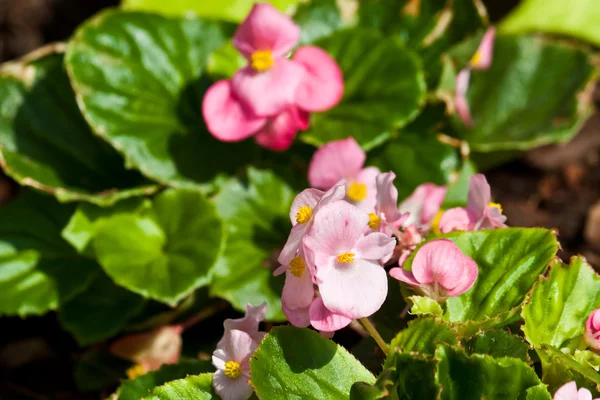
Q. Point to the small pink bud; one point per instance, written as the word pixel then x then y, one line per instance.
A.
pixel 592 330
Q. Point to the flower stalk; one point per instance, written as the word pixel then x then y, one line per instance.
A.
pixel 366 322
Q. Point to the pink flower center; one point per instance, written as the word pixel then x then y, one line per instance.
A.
pixel 232 369
pixel 357 192
pixel 303 215
pixel 346 257
pixel 297 267
pixel 261 60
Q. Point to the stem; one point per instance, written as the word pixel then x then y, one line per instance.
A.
pixel 375 335
pixel 203 314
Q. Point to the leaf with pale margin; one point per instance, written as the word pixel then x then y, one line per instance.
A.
pixel 559 368
pixel 422 336
pixel 166 254
pixel 384 89
pixel 197 387
pixel 558 306
pixel 100 312
pixel 295 363
pixel 38 270
pixel 424 306
pixel 256 218
pixel 497 343
pixel 46 144
pixel 137 388
pixel 537 91
pixel 138 83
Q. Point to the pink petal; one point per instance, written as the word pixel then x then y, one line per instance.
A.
pixel 568 391
pixel 249 323
pixel 592 330
pixel 269 92
pixel 423 204
pixel 238 345
pixel 460 99
pixel 336 193
pixel 266 28
pixel 152 349
pixel 336 229
pixel 492 218
pixel 403 275
pixel 456 219
pixel 309 198
pixel 279 131
pixel 485 52
pixel 356 290
pixel 387 197
pixel 225 117
pixel 479 196
pixel 298 317
pixel 323 84
pixel 375 247
pixel 324 320
pixel 298 292
pixel 293 243
pixel 368 177
pixel 231 389
pixel 334 161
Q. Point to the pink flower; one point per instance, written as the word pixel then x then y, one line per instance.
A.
pixel 422 205
pixel 386 215
pixel 569 391
pixel 304 208
pixel 232 361
pixel 481 60
pixel 271 97
pixel 249 323
pixel 592 330
pixel 345 159
pixel 149 350
pixel 480 213
pixel 439 270
pixel 348 270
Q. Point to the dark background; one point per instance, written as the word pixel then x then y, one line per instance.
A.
pixel 555 186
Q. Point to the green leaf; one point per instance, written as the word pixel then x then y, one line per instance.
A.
pixel 559 368
pixel 422 336
pixel 536 92
pixel 510 261
pixel 191 388
pixel 416 158
pixel 231 10
pixel 257 222
pixel 138 81
pixel 483 377
pixel 135 389
pixel 295 363
pixel 578 18
pixel 424 306
pixel 416 376
pixel 497 344
pixel 384 387
pixel 46 144
pixel 557 308
pixel 384 89
pixel 224 61
pixel 317 19
pixel 457 193
pixel 165 255
pixel 99 312
pixel 38 270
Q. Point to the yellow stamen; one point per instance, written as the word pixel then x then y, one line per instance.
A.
pixel 435 223
pixel 497 205
pixel 374 221
pixel 135 371
pixel 232 369
pixel 475 59
pixel 357 192
pixel 262 60
pixel 303 215
pixel 346 257
pixel 297 267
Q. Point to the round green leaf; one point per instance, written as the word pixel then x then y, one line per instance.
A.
pixel 384 89
pixel 38 270
pixel 197 387
pixel 536 92
pixel 46 144
pixel 138 83
pixel 295 363
pixel 164 256
pixel 557 307
pixel 99 312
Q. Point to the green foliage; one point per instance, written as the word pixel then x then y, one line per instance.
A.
pixel 422 336
pixel 557 308
pixel 316 369
pixel 317 19
pixel 190 388
pixel 424 306
pixel 384 89
pixel 497 343
pixel 559 368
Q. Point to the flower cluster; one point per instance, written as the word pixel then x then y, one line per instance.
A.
pixel 272 97
pixel 232 355
pixel 349 226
